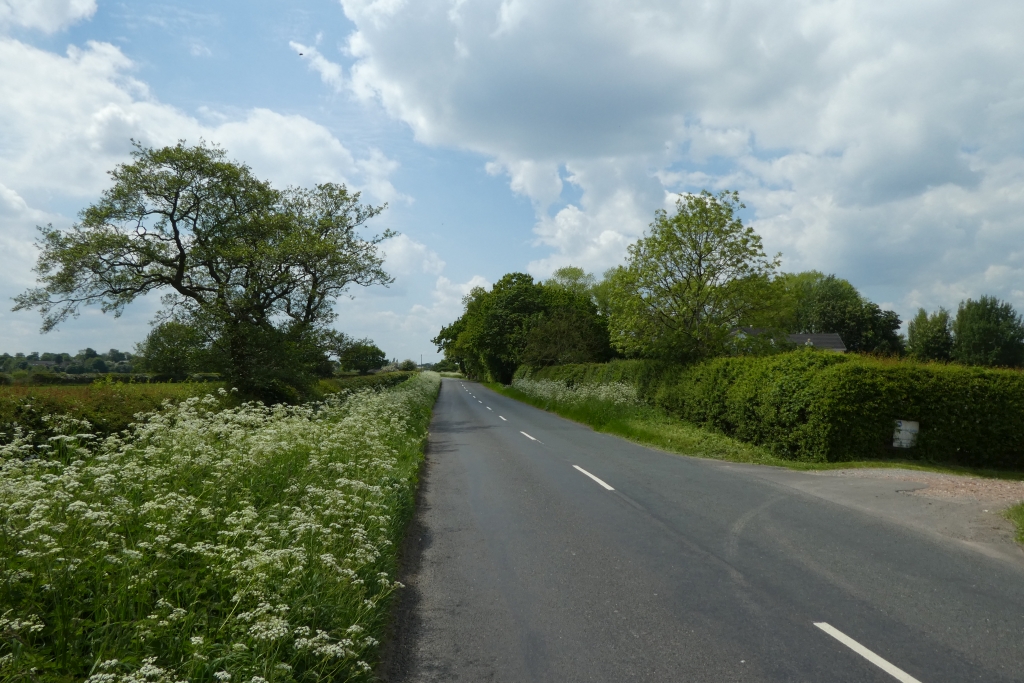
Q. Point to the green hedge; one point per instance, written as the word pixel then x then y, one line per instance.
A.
pixel 381 380
pixel 819 406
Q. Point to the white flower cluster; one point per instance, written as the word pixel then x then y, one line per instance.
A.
pixel 617 393
pixel 249 544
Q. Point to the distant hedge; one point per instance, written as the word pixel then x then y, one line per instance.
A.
pixel 381 380
pixel 812 405
pixel 68 379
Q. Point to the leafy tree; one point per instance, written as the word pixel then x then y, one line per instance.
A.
pixel 255 268
pixel 814 302
pixel 570 329
pixel 988 332
pixel 363 356
pixel 930 337
pixel 407 365
pixel 694 276
pixel 175 349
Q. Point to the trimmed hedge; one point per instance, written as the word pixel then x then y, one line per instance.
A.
pixel 818 406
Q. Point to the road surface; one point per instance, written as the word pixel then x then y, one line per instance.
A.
pixel 544 551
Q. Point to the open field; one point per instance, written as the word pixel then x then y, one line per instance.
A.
pixel 107 407
pixel 246 544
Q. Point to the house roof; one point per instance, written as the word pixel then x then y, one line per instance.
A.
pixel 828 341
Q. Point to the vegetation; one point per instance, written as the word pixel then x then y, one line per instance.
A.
pixel 361 356
pixel 249 544
pixel 101 408
pixel 689 280
pixel 1016 515
pixel 253 270
pixel 520 320
pixel 824 407
pixel 988 332
pixel 930 337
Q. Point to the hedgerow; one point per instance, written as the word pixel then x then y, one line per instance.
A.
pixel 253 544
pixel 817 406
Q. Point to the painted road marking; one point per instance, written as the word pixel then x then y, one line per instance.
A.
pixel 895 672
pixel 503 418
pixel 528 436
pixel 489 408
pixel 479 401
pixel 593 477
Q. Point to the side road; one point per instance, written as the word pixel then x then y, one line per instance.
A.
pixel 543 551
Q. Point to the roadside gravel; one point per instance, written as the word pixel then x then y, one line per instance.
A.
pixel 947 486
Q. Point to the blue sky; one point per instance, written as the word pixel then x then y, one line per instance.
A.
pixel 881 142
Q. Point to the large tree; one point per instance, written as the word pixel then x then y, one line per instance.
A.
pixel 689 280
pixel 255 268
pixel 988 332
pixel 930 337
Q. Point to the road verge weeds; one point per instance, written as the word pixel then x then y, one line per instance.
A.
pixel 255 544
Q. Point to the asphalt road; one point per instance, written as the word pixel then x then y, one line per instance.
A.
pixel 543 551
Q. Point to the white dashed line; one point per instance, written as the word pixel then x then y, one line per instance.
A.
pixel 479 401
pixel 528 436
pixel 489 408
pixel 895 672
pixel 593 477
pixel 503 418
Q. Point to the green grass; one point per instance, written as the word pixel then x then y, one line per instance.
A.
pixel 108 407
pixel 255 543
pixel 1016 515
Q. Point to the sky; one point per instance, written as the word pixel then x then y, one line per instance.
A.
pixel 880 141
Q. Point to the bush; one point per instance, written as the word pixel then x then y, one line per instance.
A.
pixel 818 406
pixel 381 380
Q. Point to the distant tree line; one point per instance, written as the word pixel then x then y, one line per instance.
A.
pixel 85 361
pixel 694 279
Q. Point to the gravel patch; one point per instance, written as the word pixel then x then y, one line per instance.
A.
pixel 948 486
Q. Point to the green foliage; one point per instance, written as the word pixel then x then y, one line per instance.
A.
pixel 692 278
pixel 988 332
pixel 255 543
pixel 825 407
pixel 256 269
pixel 1016 515
pixel 521 321
pixel 362 356
pixel 175 350
pixel 108 407
pixel 813 302
pixel 378 381
pixel 930 337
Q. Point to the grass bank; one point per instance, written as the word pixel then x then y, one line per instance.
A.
pixel 249 544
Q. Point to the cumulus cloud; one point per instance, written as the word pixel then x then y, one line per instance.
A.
pixel 880 140
pixel 45 15
pixel 406 256
pixel 65 120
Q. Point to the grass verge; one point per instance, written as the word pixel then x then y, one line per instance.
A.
pixel 252 544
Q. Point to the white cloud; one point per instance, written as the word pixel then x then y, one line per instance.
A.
pixel 881 140
pixel 65 120
pixel 45 15
pixel 406 256
pixel 330 73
